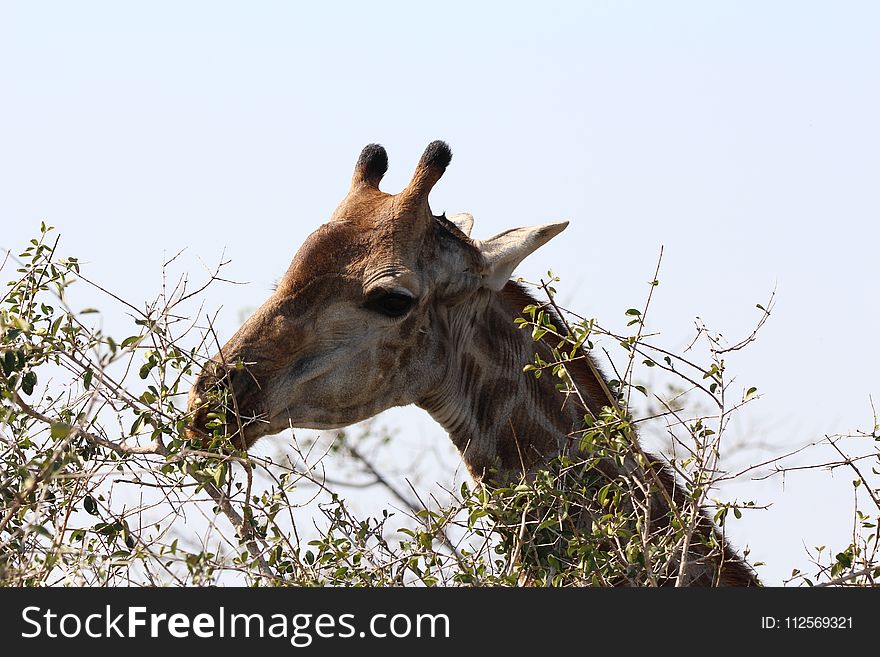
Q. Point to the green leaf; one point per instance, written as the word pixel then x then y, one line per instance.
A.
pixel 845 559
pixel 42 531
pixel 28 382
pixel 59 430
pixel 138 423
pixel 90 505
pixel 9 363
pixel 88 311
pixel 145 368
pixel 751 391
pixel 632 312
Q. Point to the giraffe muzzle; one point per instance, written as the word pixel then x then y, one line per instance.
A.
pixel 220 403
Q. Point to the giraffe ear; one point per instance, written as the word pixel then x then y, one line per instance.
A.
pixel 463 221
pixel 505 251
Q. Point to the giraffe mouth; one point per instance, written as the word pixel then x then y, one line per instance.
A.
pixel 212 423
pixel 225 406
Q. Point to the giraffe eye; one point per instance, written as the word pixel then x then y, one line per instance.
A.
pixel 391 304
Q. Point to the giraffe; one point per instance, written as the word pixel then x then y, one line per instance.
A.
pixel 387 305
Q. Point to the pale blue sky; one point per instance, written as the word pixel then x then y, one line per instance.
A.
pixel 743 136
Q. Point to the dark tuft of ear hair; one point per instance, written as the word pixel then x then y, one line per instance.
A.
pixel 371 166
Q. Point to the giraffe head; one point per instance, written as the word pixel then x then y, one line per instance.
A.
pixel 365 317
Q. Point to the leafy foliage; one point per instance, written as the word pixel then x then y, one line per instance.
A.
pixel 100 484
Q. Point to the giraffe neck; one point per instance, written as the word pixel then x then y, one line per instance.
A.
pixel 505 422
